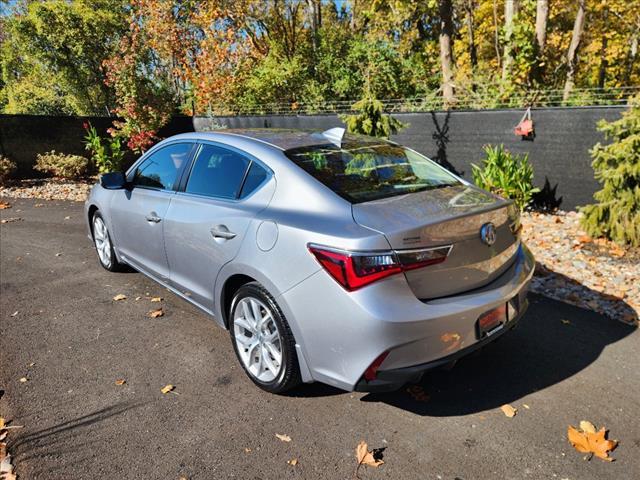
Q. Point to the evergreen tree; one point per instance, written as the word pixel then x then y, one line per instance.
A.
pixel 617 167
pixel 370 119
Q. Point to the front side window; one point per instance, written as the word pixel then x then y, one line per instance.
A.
pixel 361 171
pixel 217 172
pixel 162 168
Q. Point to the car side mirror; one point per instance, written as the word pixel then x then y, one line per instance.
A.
pixel 113 180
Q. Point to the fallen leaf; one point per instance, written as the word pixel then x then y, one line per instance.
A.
pixel 138 298
pixel 121 381
pixel 24 380
pixel 156 299
pixel 526 406
pixel 32 364
pixel 167 388
pixel 58 254
pixel 2 423
pixel 4 205
pixel 247 450
pixel 10 219
pixel 587 427
pixel 587 440
pixel 283 437
pixel 156 313
pixel 366 457
pixel 565 322
pixel 14 313
pixel 67 217
pixel 584 239
pixel 293 461
pixel 508 410
pixel 119 297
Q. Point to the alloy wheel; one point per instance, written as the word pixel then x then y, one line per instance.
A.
pixel 257 338
pixel 102 241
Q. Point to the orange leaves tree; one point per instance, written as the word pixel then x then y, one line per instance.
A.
pixel 178 56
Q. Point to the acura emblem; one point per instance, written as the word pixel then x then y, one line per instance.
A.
pixel 488 233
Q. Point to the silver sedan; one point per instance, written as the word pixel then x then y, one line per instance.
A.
pixel 329 257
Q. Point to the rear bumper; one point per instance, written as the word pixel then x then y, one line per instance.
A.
pixel 340 333
pixel 390 380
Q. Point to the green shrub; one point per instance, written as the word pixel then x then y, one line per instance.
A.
pixel 107 154
pixel 61 165
pixel 617 167
pixel 506 174
pixel 370 119
pixel 7 169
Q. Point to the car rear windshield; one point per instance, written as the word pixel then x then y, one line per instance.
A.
pixel 362 171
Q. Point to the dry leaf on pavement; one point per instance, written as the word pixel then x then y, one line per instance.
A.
pixel 167 388
pixel 284 438
pixel 24 380
pixel 587 440
pixel 366 457
pixel 508 410
pixel 293 461
pixel 156 299
pixel 119 297
pixel 156 313
pixel 121 381
pixel 4 205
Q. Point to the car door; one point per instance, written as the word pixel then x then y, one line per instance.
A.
pixel 138 211
pixel 206 222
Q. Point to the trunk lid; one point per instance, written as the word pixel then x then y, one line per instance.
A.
pixel 453 216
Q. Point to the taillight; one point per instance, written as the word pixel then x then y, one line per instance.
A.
pixel 354 270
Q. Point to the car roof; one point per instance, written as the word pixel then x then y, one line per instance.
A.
pixel 281 138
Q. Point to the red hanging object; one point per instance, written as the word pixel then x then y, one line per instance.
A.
pixel 525 126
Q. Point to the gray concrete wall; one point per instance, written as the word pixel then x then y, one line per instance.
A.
pixel 559 152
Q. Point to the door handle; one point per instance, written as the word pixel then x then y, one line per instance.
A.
pixel 222 232
pixel 153 217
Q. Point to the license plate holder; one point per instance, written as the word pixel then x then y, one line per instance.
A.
pixel 493 320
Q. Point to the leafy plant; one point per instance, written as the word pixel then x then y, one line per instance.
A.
pixel 506 174
pixel 107 154
pixel 616 215
pixel 61 165
pixel 7 169
pixel 370 119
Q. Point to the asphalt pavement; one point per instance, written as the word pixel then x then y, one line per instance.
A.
pixel 61 330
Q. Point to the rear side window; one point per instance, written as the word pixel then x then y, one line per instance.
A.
pixel 217 172
pixel 161 168
pixel 361 171
pixel 254 179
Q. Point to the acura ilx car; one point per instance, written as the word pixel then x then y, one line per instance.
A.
pixel 329 257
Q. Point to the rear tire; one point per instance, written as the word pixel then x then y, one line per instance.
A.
pixel 104 245
pixel 262 339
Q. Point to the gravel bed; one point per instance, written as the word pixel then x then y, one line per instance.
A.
pixel 49 189
pixel 571 267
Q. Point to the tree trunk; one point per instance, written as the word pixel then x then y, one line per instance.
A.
pixel 315 16
pixel 473 52
pixel 572 54
pixel 510 11
pixel 446 53
pixel 542 15
pixel 496 34
pixel 604 63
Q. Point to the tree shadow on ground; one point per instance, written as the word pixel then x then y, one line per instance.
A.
pixel 59 438
pixel 553 342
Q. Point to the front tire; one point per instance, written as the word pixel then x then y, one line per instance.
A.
pixel 262 339
pixel 104 245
